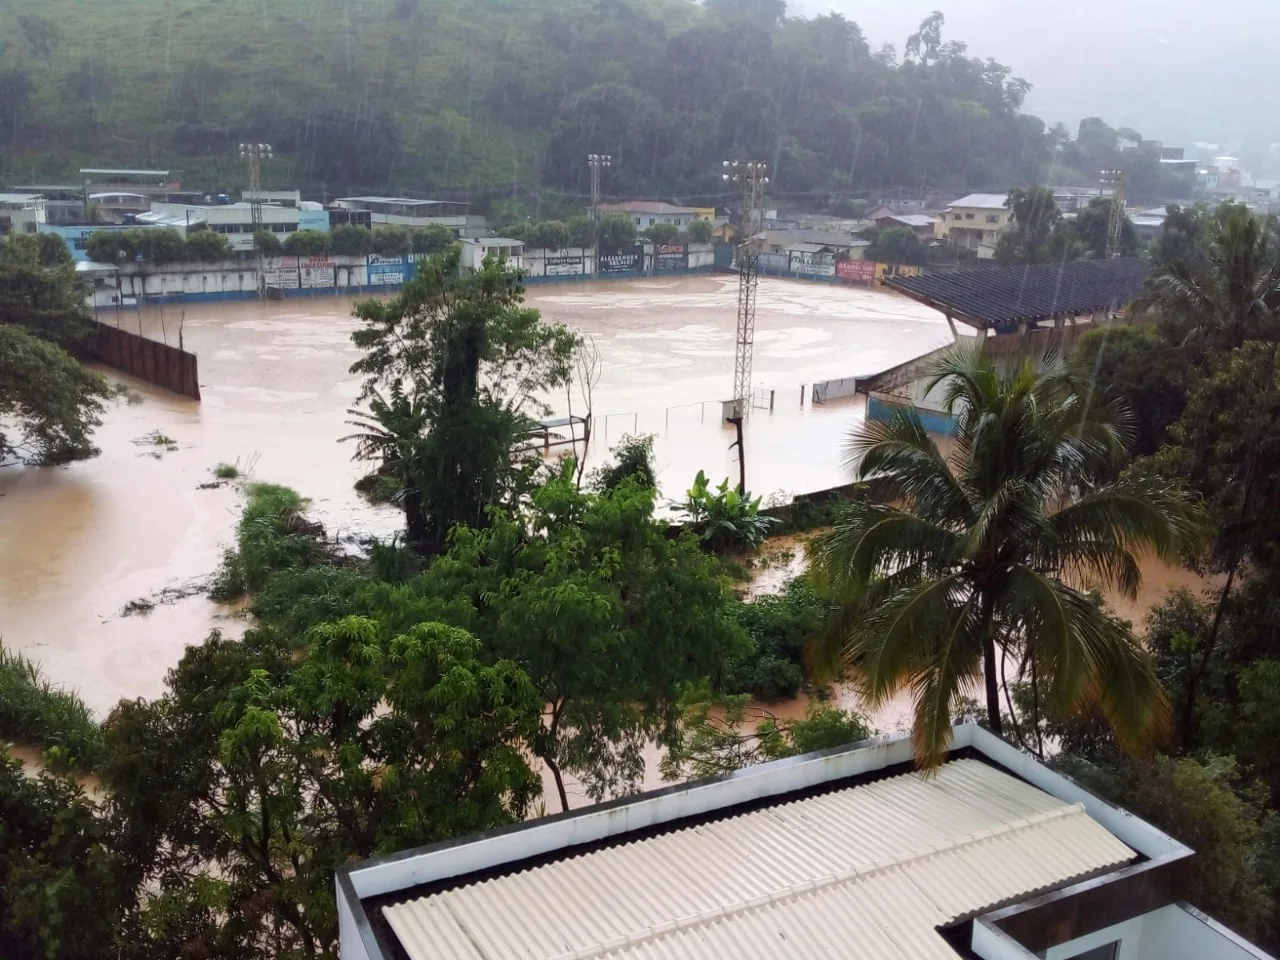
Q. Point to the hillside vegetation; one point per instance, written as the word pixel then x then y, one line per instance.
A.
pixel 444 93
pixel 492 98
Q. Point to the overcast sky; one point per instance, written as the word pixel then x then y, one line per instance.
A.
pixel 1175 70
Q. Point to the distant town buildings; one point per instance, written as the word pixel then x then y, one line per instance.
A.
pixel 21 213
pixel 410 212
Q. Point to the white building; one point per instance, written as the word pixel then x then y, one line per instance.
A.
pixel 646 213
pixel 476 251
pixel 844 853
pixel 21 213
pixel 975 222
pixel 408 212
pixel 235 220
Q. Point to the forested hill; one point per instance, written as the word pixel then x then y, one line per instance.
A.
pixel 434 95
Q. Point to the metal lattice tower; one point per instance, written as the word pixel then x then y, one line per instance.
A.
pixel 597 162
pixel 253 154
pixel 751 177
pixel 1115 225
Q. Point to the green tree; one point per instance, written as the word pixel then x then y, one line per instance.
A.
pixel 432 239
pixel 205 246
pixel 662 233
pixel 60 891
pixel 392 433
pixel 104 246
pixel 976 564
pixel 582 231
pixel 700 231
pixel 307 243
pixel 615 232
pixel 607 615
pixel 41 291
pixel 265 766
pixel 548 235
pixel 1184 238
pixel 898 245
pixel 1196 801
pixel 267 243
pixel 392 241
pixel 1093 223
pixel 52 250
pixel 350 240
pixel 473 362
pixel 1033 216
pixel 1231 294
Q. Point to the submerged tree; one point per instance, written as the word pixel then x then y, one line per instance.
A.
pixel 984 556
pixel 466 365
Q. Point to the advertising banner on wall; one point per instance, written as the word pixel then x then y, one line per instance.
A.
pixel 316 271
pixel 390 271
pixel 856 271
pixel 772 262
pixel 670 256
pixel 813 264
pixel 626 261
pixel 563 266
pixel 280 273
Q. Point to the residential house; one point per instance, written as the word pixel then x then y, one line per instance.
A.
pixel 921 224
pixel 646 213
pixel 975 222
pixel 813 241
pixel 840 853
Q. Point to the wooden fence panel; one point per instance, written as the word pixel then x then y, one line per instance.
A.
pixel 156 363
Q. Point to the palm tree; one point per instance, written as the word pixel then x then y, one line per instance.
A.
pixel 1232 293
pixel 393 431
pixel 982 555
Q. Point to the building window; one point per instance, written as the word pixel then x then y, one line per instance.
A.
pixel 637 221
pixel 993 218
pixel 956 216
pixel 968 216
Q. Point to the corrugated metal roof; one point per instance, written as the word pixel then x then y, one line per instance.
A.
pixel 983 201
pixel 869 871
pixel 646 206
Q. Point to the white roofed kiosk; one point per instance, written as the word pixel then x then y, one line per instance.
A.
pixel 841 853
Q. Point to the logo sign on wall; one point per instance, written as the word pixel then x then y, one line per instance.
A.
pixel 563 266
pixel 621 262
pixel 316 271
pixel 813 264
pixel 671 256
pixel 389 271
pixel 280 273
pixel 895 270
pixel 856 271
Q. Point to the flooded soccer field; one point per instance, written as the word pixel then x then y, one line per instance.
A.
pixel 82 541
pixel 142 520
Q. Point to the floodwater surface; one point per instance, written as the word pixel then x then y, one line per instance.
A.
pixel 142 520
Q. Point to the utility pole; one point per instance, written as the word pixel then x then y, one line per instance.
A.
pixel 597 162
pixel 1115 224
pixel 751 177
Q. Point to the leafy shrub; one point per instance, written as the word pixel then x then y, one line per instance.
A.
pixel 307 243
pixel 349 240
pixel 779 626
pixel 633 457
pixel 34 711
pixel 272 536
pixel 264 241
pixel 726 519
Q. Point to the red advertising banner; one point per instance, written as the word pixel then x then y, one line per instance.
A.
pixel 856 271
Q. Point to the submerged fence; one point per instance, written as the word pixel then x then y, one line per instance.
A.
pixel 156 363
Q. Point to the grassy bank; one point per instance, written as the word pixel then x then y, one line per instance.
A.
pixel 37 713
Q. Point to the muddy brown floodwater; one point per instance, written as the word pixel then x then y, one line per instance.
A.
pixel 80 542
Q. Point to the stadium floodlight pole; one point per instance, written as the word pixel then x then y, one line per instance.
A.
pixel 751 177
pixel 253 154
pixel 1115 179
pixel 597 162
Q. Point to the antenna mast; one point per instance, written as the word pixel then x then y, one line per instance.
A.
pixel 1115 224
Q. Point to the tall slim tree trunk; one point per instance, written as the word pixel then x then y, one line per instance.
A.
pixel 989 665
pixel 559 779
